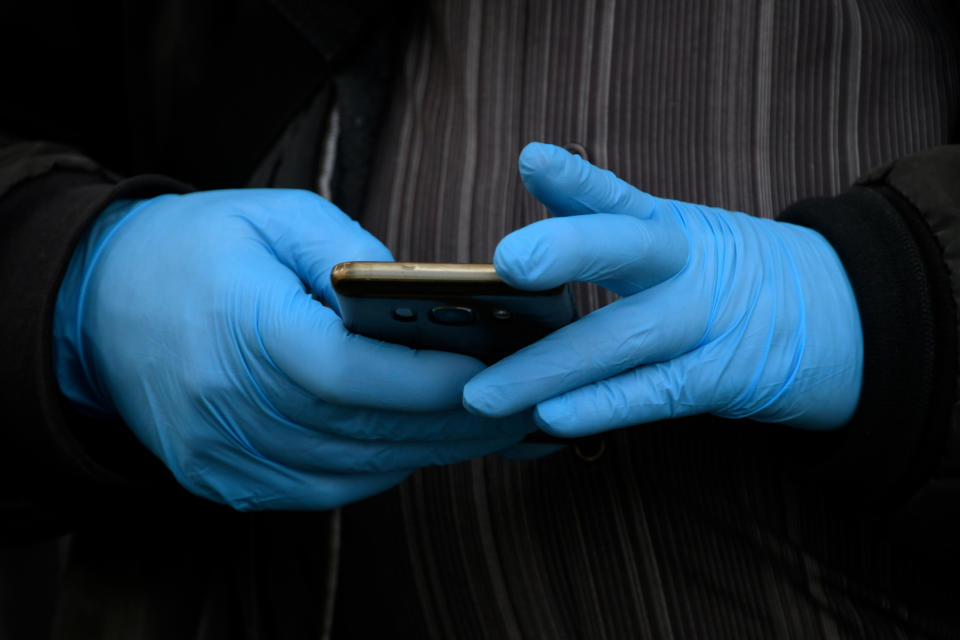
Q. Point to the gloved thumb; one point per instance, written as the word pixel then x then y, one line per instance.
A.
pixel 310 235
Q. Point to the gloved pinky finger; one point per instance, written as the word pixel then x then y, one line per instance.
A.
pixel 273 486
pixel 645 394
pixel 315 452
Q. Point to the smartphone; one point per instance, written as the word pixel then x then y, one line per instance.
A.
pixel 465 308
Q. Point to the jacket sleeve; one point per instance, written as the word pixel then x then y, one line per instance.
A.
pixel 114 81
pixel 897 232
pixel 57 465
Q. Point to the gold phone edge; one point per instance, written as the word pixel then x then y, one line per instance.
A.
pixel 413 272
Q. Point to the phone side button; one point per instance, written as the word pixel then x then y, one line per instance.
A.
pixel 445 314
pixel 404 314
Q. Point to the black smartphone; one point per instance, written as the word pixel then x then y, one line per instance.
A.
pixel 465 308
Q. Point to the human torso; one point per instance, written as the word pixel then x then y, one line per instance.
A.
pixel 682 529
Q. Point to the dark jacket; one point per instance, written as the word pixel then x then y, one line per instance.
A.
pixel 202 92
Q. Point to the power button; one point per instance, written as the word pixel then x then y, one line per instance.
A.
pixel 445 314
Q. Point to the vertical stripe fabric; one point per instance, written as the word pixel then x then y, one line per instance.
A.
pixel 680 530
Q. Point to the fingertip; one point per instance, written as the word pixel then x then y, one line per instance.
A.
pixel 558 418
pixel 479 401
pixel 546 418
pixel 567 184
pixel 473 402
pixel 539 156
pixel 469 406
pixel 519 258
pixel 541 255
pixel 545 168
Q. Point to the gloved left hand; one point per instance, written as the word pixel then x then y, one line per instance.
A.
pixel 722 313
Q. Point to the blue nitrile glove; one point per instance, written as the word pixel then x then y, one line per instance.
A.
pixel 188 316
pixel 722 313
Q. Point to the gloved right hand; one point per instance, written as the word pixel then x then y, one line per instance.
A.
pixel 189 316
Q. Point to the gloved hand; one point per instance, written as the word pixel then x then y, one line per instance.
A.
pixel 721 313
pixel 188 316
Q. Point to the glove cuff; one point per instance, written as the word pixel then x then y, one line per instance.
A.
pixel 74 375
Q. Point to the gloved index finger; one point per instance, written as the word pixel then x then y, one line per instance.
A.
pixel 567 184
pixel 633 331
pixel 621 253
pixel 309 343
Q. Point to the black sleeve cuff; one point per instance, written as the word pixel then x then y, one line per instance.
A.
pixel 895 442
pixel 55 462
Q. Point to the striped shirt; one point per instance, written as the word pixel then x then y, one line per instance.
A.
pixel 679 530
